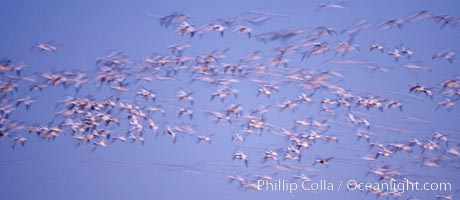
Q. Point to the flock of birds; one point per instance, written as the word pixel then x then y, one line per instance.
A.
pixel 133 111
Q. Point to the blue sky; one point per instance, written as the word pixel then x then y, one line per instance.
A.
pixel 86 30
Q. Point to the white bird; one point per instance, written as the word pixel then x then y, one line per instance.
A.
pixel 241 156
pixel 18 140
pixel 45 47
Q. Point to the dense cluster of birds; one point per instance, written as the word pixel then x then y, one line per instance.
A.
pixel 133 111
